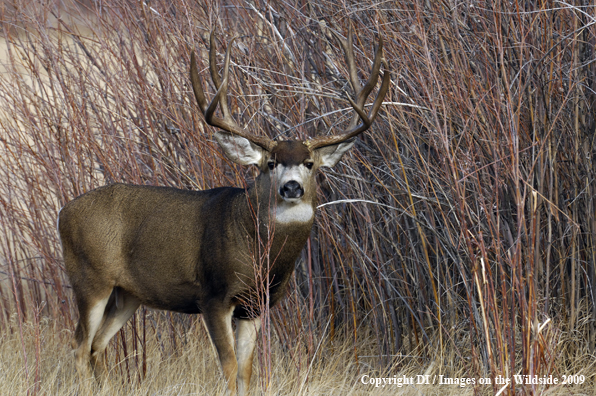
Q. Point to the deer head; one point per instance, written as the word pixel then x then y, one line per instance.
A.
pixel 289 165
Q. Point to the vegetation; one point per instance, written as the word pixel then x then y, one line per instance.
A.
pixel 458 238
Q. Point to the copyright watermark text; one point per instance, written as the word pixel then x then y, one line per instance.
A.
pixel 399 381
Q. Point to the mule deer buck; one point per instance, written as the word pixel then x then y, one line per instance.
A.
pixel 190 251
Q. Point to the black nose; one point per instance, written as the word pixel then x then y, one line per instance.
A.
pixel 291 189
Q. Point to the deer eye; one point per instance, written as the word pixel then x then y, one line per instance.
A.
pixel 309 165
pixel 271 164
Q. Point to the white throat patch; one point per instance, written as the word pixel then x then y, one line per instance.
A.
pixel 287 212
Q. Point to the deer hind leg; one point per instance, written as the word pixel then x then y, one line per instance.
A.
pixel 219 325
pixel 120 307
pixel 91 312
pixel 246 340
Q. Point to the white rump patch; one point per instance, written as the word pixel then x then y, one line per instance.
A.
pixel 286 212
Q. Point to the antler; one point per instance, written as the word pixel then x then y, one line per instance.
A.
pixel 354 128
pixel 226 123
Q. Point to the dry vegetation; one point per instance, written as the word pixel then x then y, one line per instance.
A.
pixel 459 237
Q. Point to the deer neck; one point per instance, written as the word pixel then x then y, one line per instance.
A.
pixel 276 211
pixel 275 243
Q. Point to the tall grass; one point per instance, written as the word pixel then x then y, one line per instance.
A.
pixel 460 232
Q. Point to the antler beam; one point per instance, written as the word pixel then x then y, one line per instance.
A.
pixel 226 123
pixel 362 92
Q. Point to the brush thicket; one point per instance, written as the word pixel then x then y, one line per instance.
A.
pixel 458 238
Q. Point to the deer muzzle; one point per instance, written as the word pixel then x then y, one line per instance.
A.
pixel 291 189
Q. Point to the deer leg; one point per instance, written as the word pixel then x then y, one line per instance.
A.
pixel 91 312
pixel 219 325
pixel 121 306
pixel 246 340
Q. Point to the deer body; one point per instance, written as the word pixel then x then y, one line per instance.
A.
pixel 199 251
pixel 166 236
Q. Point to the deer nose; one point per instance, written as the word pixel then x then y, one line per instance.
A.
pixel 291 189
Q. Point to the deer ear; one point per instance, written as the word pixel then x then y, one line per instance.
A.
pixel 238 149
pixel 330 155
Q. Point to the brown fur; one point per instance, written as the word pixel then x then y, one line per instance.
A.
pixel 290 152
pixel 178 250
pixel 194 251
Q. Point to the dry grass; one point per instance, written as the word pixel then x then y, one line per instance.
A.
pixel 459 237
pixel 191 367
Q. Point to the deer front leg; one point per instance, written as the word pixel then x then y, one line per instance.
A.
pixel 246 340
pixel 219 325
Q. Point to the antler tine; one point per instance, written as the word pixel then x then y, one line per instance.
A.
pixel 226 123
pixel 215 75
pixel 197 85
pixel 213 59
pixel 348 47
pixel 221 86
pixel 362 93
